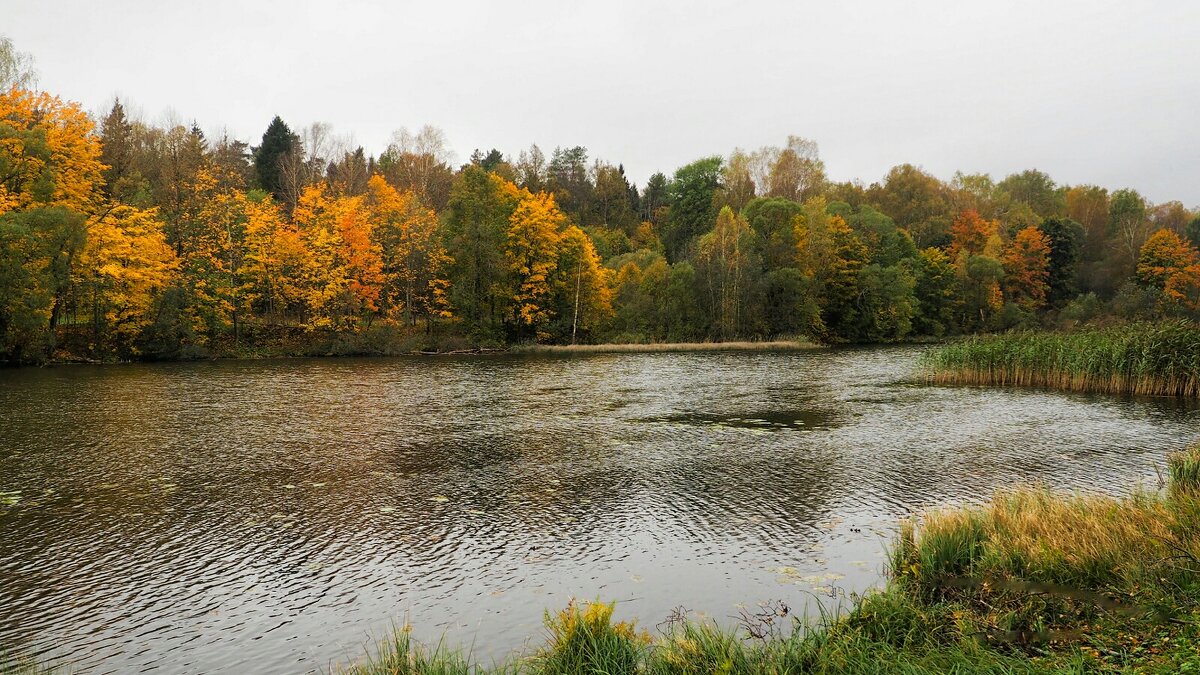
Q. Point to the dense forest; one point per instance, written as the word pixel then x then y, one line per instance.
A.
pixel 124 239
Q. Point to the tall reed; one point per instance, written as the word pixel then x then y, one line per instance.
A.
pixel 1161 359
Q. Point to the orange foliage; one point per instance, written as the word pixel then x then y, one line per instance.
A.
pixel 1164 254
pixel 971 233
pixel 1027 268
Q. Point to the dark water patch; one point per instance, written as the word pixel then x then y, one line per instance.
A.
pixel 774 420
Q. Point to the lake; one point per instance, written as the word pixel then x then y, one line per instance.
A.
pixel 276 516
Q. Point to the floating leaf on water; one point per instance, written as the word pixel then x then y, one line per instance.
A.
pixel 636 578
pixel 386 509
pixel 787 571
pixel 496 594
pixel 476 512
pixel 441 499
pixel 859 563
pixel 318 485
pixel 289 486
pixel 107 486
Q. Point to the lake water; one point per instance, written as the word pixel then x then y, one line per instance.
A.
pixel 276 516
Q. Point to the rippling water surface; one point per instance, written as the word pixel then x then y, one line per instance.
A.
pixel 275 516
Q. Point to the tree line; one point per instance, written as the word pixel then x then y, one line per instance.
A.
pixel 120 238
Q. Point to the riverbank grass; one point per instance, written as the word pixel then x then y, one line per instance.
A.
pixel 1032 582
pixel 1141 358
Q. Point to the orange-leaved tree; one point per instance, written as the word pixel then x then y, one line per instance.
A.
pixel 414 259
pixel 971 233
pixel 1163 254
pixel 1027 268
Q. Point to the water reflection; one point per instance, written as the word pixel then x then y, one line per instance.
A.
pixel 270 516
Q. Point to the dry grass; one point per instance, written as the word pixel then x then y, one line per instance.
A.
pixel 1081 541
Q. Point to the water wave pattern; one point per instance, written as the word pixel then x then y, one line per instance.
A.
pixel 276 516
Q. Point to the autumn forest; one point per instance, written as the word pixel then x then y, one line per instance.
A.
pixel 126 240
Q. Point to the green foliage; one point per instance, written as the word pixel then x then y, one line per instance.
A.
pixel 886 304
pixel 773 221
pixel 1066 248
pixel 1192 231
pixel 278 141
pixel 1083 309
pixel 693 208
pixel 918 202
pixel 474 229
pixel 789 305
pixel 1037 190
pixel 936 292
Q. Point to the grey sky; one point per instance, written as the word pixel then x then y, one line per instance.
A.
pixel 1091 92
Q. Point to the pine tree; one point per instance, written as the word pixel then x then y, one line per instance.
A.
pixel 277 142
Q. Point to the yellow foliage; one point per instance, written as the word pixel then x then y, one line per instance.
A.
pixel 126 262
pixel 531 249
pixel 414 259
pixel 582 283
pixel 54 157
pixel 342 267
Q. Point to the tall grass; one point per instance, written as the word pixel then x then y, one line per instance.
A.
pixel 1140 358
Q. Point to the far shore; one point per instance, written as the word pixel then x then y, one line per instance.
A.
pixel 614 347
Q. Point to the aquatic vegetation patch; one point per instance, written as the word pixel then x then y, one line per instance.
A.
pixel 1139 358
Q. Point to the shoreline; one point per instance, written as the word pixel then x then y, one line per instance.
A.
pixel 668 347
pixel 518 349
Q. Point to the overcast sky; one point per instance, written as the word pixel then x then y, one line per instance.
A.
pixel 1098 92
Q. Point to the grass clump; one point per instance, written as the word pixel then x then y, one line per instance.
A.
pixel 1161 359
pixel 585 640
pixel 401 655
pixel 1183 470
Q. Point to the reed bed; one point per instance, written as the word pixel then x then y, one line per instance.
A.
pixel 1158 359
